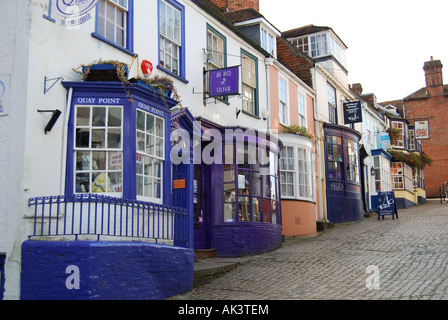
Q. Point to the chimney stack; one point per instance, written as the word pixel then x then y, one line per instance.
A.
pixel 357 87
pixel 235 5
pixel 433 73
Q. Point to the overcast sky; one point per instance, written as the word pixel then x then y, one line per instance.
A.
pixel 388 40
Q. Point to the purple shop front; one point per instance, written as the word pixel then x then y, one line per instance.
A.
pixel 236 207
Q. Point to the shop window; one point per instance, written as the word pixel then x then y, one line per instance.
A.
pixel 99 152
pixel 250 188
pixel 98 149
pixel 352 160
pixel 335 160
pixel 382 176
pixel 401 176
pixel 296 173
pixel 287 172
pixel 150 156
pixel 114 23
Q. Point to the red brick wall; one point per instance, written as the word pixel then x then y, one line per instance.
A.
pixel 436 109
pixel 235 5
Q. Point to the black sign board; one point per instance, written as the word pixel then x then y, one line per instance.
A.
pixel 352 112
pixel 386 205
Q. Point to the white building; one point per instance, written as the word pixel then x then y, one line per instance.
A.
pixel 47 39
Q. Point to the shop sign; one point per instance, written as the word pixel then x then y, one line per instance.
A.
pixel 224 82
pixel 75 12
pixel 4 94
pixel 352 112
pixel 422 129
pixel 383 141
pixel 179 184
pixel 386 205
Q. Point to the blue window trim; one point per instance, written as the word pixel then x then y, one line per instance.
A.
pixel 182 57
pixel 129 31
pixel 257 111
pixel 115 90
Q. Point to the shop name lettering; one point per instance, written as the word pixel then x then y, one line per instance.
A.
pixel 150 109
pixel 98 100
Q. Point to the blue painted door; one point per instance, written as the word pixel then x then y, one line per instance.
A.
pixel 202 223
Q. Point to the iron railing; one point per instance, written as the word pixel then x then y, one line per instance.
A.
pixel 97 215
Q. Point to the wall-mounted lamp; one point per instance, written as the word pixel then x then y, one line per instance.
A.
pixel 54 118
pixel 372 171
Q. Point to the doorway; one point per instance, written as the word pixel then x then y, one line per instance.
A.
pixel 201 205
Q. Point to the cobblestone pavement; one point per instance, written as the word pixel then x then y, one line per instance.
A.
pixel 409 256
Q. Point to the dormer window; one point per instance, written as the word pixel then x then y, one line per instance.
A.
pixel 268 42
pixel 321 45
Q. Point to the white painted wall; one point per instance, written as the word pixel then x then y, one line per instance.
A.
pixel 32 163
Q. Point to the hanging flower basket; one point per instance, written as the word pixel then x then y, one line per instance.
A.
pixel 159 87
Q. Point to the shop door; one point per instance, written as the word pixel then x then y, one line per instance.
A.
pixel 202 219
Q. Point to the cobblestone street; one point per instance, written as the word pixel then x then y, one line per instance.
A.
pixel 409 256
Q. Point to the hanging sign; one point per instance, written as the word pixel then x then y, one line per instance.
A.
pixel 386 205
pixel 5 80
pixel 352 112
pixel 224 82
pixel 422 129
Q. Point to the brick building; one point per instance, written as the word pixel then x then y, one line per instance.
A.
pixel 431 103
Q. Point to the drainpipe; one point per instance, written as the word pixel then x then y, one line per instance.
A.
pixel 64 140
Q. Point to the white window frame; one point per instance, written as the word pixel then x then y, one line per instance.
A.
pixel 103 21
pixel 152 154
pixel 267 42
pixel 288 174
pixel 170 46
pixel 302 109
pixel 399 142
pixel 302 171
pixel 101 184
pixel 381 166
pixel 249 84
pixel 283 101
pixel 332 104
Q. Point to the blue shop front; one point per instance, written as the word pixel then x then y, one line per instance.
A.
pixel 235 196
pixel 121 234
pixel 343 174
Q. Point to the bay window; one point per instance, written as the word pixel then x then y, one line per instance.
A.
pixel 250 188
pixel 296 173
